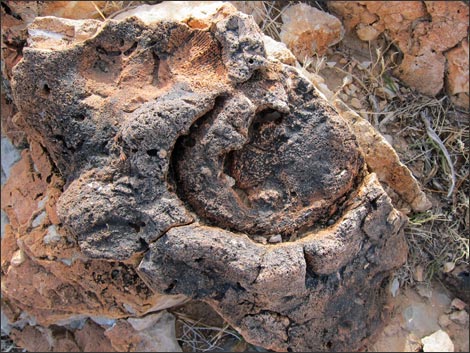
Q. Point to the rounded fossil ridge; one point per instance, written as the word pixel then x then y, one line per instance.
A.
pixel 186 144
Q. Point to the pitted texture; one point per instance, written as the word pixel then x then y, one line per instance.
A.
pixel 182 145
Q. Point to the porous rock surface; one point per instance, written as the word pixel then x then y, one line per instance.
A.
pixel 432 35
pixel 308 31
pixel 159 151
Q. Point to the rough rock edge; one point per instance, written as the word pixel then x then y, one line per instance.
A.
pixel 276 320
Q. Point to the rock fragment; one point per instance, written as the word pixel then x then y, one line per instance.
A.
pixel 439 341
pixel 460 317
pixel 308 31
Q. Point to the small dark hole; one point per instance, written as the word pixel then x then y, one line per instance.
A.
pixel 79 117
pixel 48 179
pixel 46 89
pixel 250 61
pixel 153 152
pixel 114 274
pixel 289 349
pixel 329 344
pixel 134 226
pixel 170 287
pixel 131 49
pixel 101 50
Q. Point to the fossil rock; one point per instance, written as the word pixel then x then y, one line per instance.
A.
pixel 424 32
pixel 308 31
pixel 159 152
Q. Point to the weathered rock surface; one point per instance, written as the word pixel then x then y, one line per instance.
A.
pixel 308 31
pixel 158 152
pixel 379 155
pixel 428 34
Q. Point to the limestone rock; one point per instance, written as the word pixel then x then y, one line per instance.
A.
pixel 308 31
pixel 278 51
pixel 152 333
pixel 159 150
pixel 439 341
pixel 424 32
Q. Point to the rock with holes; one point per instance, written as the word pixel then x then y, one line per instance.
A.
pixel 180 159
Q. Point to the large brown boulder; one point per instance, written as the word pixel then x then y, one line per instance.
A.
pixel 179 159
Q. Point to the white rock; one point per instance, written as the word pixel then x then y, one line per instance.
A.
pixel 51 237
pixel 4 222
pixel 308 31
pixel 39 218
pixel 157 332
pixel 180 11
pixel 448 267
pixel 278 51
pixel 103 320
pixel 10 155
pixel 17 258
pixel 275 239
pixel 439 341
pixel 394 286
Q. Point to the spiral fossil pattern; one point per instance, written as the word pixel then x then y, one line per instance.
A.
pixel 180 146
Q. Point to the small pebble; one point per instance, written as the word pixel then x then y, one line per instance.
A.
pixel 448 267
pixel 261 240
pixel 458 304
pixel 275 239
pixel 356 103
pixel 17 258
pixel 460 317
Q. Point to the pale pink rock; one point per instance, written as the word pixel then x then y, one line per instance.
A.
pixel 308 31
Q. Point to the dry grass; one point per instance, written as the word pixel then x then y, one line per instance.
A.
pixel 431 136
pixel 199 337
